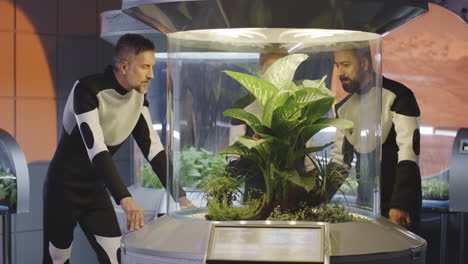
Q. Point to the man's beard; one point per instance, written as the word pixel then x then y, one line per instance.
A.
pixel 351 86
pixel 143 88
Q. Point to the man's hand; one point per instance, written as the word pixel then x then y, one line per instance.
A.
pixel 185 203
pixel 399 217
pixel 135 215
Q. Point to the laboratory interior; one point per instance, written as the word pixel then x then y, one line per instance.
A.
pixel 234 131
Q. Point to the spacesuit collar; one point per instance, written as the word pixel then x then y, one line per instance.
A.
pixel 115 84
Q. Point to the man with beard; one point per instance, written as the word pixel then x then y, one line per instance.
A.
pixel 102 110
pixel 398 119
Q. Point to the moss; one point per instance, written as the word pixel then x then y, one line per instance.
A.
pixel 331 213
pixel 250 210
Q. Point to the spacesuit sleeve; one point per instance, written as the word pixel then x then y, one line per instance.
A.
pixel 85 107
pixel 406 193
pixel 339 150
pixel 151 147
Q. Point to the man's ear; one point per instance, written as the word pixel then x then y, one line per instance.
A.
pixel 365 64
pixel 123 66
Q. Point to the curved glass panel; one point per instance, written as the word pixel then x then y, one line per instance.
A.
pixel 268 122
pixel 380 16
pixel 14 176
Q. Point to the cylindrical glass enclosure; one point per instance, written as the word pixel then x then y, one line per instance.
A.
pixel 266 123
pixel 14 176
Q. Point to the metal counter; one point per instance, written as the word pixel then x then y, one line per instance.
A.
pixel 173 240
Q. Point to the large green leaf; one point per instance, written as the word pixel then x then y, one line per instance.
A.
pixel 250 119
pixel 263 131
pixel 290 111
pixel 237 149
pixel 283 128
pixel 318 108
pixel 308 183
pixel 315 83
pixel 309 95
pixel 277 101
pixel 286 117
pixel 261 89
pixel 305 106
pixel 243 115
pixel 312 150
pixel 249 142
pixel 342 124
pixel 309 131
pixel 270 150
pixel 293 87
pixel 281 72
pixel 318 84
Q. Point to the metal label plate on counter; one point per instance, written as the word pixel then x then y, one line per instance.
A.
pixel 267 243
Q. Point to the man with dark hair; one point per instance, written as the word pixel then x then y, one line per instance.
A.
pixel 102 110
pixel 400 176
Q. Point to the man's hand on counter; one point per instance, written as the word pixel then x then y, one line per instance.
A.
pixel 185 203
pixel 135 215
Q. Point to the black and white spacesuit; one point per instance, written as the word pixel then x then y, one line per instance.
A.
pixel 99 115
pixel 400 178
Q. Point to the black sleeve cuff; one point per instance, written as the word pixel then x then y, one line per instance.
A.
pixel 106 170
pixel 159 165
pixel 407 193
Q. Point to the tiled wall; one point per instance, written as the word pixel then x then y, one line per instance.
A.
pixel 45 46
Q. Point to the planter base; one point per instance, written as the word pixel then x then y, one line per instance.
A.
pixel 175 240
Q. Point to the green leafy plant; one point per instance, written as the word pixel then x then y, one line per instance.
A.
pixel 292 114
pixel 435 190
pixel 222 189
pixel 349 187
pixel 149 177
pixel 327 178
pixel 8 188
pixel 195 164
pixel 250 210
